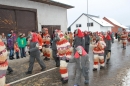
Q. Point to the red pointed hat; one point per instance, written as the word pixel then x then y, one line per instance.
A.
pixel 80 34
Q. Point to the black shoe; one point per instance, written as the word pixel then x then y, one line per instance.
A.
pixel 10 72
pixel 101 67
pixel 57 65
pixel 10 58
pixel 29 72
pixel 64 81
pixel 107 61
pixel 45 58
pixel 95 69
pixel 61 79
pixel 13 58
pixel 43 69
pixel 17 57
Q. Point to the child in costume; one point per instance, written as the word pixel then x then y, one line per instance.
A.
pixel 16 48
pixel 64 52
pixel 3 63
pixel 81 59
pixel 98 52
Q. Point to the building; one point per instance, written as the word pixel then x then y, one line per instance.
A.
pixel 94 22
pixel 26 15
pixel 116 25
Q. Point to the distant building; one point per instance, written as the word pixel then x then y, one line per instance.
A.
pixel 26 15
pixel 116 25
pixel 95 24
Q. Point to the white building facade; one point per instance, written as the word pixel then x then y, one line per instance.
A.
pixel 94 22
pixel 46 13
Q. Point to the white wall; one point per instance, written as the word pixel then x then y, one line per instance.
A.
pixel 47 14
pixel 83 21
pixel 105 29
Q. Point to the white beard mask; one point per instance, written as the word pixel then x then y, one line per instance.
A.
pixel 79 50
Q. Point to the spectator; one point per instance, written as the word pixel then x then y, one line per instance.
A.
pixel 21 40
pixel 10 44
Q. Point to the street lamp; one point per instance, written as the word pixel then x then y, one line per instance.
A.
pixel 87 17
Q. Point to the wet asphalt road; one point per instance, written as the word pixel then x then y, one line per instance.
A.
pixel 116 73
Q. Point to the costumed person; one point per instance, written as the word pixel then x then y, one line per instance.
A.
pixel 46 44
pixel 3 63
pixel 107 53
pixel 64 52
pixel 54 49
pixel 124 38
pixel 111 35
pixel 87 41
pixel 129 38
pixel 81 59
pixel 79 39
pixel 40 41
pixel 34 54
pixel 16 48
pixel 119 36
pixel 98 52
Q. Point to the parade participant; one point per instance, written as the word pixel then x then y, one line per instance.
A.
pixel 64 52
pixel 129 38
pixel 46 47
pixel 111 35
pixel 124 38
pixel 98 52
pixel 54 50
pixel 119 36
pixel 79 39
pixel 81 59
pixel 34 53
pixel 40 41
pixel 107 53
pixel 87 41
pixel 10 44
pixel 3 63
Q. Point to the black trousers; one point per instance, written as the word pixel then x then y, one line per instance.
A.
pixel 57 60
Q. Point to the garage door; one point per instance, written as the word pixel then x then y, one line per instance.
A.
pixel 19 20
pixel 25 21
pixel 7 20
pixel 51 28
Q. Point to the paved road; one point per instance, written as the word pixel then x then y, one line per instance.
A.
pixel 117 73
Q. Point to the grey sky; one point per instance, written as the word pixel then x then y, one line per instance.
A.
pixel 116 9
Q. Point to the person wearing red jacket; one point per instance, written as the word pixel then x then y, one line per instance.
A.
pixel 107 39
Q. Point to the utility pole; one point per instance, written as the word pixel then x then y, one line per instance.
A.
pixel 87 17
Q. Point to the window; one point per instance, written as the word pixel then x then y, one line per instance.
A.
pixel 89 24
pixel 78 25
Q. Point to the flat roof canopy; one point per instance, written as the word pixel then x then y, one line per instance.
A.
pixel 60 4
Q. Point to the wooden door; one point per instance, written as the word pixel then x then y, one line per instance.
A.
pixel 7 21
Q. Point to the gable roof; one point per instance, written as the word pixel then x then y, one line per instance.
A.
pixel 60 3
pixel 96 19
pixel 115 22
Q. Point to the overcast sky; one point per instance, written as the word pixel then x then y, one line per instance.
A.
pixel 116 9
